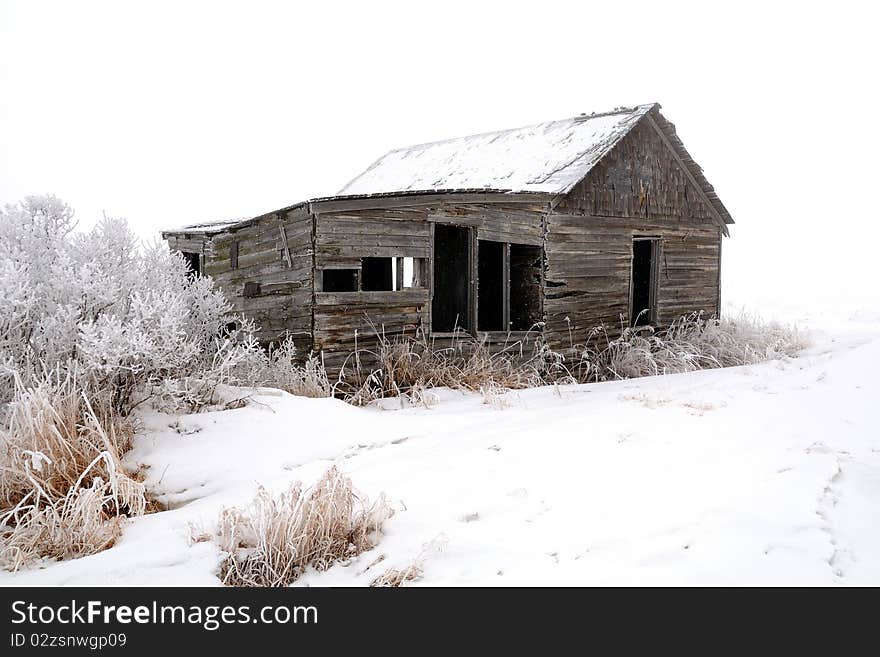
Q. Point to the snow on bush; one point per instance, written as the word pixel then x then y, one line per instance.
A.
pixel 90 325
pixel 279 367
pixel 272 542
pixel 122 315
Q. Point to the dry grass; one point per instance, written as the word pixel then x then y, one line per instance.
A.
pixel 63 493
pixel 497 397
pixel 397 577
pixel 275 539
pixel 407 367
pixel 690 343
pixel 282 370
pixel 245 365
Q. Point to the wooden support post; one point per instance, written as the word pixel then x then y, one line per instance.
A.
pixel 398 274
pixel 474 276
pixel 285 250
pixel 505 286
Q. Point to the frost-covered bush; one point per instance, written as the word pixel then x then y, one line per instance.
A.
pixel 123 315
pixel 279 367
pixel 91 324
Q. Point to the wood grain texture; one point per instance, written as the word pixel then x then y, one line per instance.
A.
pixel 640 177
pixel 589 262
pixel 283 303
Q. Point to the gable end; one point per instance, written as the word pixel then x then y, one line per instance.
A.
pixel 646 175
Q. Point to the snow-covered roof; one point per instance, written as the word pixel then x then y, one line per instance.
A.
pixel 547 157
pixel 209 226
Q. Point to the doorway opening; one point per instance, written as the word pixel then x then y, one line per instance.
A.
pixel 526 265
pixel 451 303
pixel 643 310
pixel 491 287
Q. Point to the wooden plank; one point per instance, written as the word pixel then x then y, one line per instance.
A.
pixel 415 200
pixel 398 271
pixel 406 297
pixel 285 248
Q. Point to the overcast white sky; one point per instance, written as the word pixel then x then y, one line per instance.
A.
pixel 173 112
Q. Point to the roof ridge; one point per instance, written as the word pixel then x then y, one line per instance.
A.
pixel 580 118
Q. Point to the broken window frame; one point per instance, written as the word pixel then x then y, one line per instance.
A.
pixel 469 306
pixel 397 266
pixel 508 302
pixel 418 281
pixel 499 253
pixel 531 252
pixel 377 274
pixel 419 278
pixel 354 271
pixel 473 266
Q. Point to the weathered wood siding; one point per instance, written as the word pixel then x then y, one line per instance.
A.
pixel 279 297
pixel 639 178
pixel 344 236
pixel 342 239
pixel 515 223
pixel 589 263
pixel 186 243
pixel 639 189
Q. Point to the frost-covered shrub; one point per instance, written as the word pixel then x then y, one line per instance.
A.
pixel 91 324
pixel 279 367
pixel 122 315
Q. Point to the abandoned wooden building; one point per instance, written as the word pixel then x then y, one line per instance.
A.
pixel 551 229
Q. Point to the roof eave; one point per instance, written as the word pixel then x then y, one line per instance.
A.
pixel 425 197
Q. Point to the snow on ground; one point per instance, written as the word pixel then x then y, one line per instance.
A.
pixel 764 475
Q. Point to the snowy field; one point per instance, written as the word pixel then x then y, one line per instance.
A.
pixel 759 475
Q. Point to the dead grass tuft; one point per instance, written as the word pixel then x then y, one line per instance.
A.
pixel 273 541
pixel 281 368
pixel 63 493
pixel 693 342
pixel 397 577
